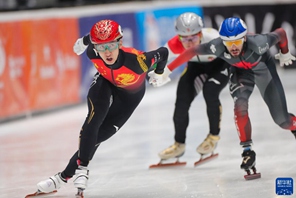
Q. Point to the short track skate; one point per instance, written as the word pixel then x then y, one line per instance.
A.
pixel 254 175
pixel 39 193
pixel 80 193
pixel 172 164
pixel 205 159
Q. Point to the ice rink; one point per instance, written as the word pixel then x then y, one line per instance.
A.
pixel 36 148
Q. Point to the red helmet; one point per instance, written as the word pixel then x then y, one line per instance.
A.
pixel 105 31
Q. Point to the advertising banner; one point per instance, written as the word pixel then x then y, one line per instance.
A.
pixel 14 96
pixel 38 69
pixel 54 76
pixel 259 19
pixel 68 63
pixel 130 39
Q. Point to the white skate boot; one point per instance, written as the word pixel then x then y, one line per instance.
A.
pixel 174 151
pixel 207 147
pixel 80 182
pixel 53 183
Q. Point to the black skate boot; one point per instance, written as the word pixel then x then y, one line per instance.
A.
pixel 248 164
pixel 249 158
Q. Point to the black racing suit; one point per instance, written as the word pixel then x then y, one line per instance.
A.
pixel 113 96
pixel 211 78
pixel 202 73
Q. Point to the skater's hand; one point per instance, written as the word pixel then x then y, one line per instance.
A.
pixel 285 59
pixel 79 47
pixel 158 80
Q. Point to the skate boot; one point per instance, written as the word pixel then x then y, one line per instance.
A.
pixel 208 145
pixel 174 151
pixel 248 164
pixel 249 158
pixel 53 183
pixel 80 182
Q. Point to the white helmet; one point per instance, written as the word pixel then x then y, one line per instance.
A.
pixel 188 24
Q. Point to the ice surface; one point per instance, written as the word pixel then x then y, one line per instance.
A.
pixel 34 149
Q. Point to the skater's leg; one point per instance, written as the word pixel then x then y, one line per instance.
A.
pixel 121 108
pixel 272 92
pixel 189 85
pixel 98 100
pixel 88 131
pixel 213 86
pixel 120 111
pixel 241 87
pixel 69 171
pixel 216 82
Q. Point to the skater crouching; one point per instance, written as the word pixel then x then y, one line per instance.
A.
pixel 252 65
pixel 206 74
pixel 114 94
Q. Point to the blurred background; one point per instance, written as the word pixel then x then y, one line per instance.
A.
pixel 12 5
pixel 39 71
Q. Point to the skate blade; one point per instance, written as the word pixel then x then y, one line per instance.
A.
pixel 252 176
pixel 79 196
pixel 38 193
pixel 159 165
pixel 206 159
pixel 79 193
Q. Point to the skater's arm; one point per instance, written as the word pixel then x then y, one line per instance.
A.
pixel 202 49
pixel 160 75
pixel 157 57
pixel 81 44
pixel 182 58
pixel 284 56
pixel 279 37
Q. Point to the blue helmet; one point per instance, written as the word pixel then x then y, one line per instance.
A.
pixel 232 29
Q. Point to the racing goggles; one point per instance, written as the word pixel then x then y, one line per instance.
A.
pixel 187 39
pixel 107 46
pixel 235 42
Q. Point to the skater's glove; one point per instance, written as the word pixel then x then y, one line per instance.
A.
pixel 285 59
pixel 79 46
pixel 158 80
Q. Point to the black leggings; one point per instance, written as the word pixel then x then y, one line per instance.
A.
pixel 210 78
pixel 109 107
